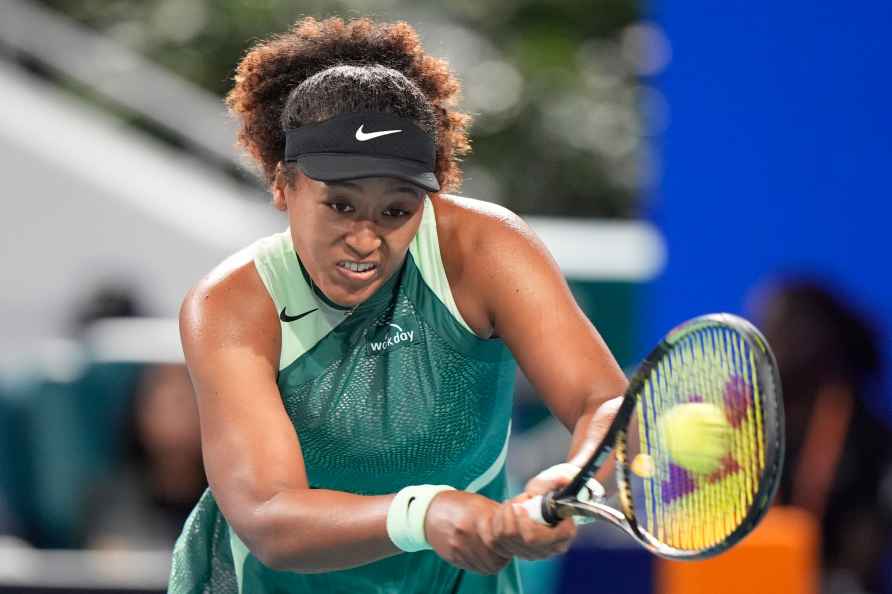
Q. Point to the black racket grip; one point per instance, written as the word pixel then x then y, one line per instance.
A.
pixel 550 509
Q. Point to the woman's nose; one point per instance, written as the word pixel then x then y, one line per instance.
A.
pixel 363 239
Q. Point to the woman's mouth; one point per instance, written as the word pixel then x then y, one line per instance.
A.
pixel 357 271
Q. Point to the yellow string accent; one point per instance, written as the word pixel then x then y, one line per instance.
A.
pixel 645 448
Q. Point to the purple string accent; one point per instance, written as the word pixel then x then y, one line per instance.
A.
pixel 738 400
pixel 679 484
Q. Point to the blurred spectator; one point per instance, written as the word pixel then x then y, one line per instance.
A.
pixel 110 300
pixel 59 413
pixel 839 453
pixel 144 503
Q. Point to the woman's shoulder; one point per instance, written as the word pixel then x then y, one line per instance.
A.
pixel 469 226
pixel 236 272
pixel 233 288
pixel 477 239
pixel 467 222
pixel 472 209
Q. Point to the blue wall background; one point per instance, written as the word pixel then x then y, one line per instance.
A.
pixel 778 155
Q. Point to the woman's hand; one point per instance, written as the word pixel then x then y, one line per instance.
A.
pixel 457 526
pixel 513 532
pixel 476 533
pixel 551 479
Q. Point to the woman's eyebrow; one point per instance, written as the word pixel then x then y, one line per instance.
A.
pixel 415 192
pixel 401 189
pixel 343 185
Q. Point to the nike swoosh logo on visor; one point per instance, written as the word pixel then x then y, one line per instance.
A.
pixel 363 136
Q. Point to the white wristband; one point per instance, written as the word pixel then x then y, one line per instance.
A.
pixel 405 516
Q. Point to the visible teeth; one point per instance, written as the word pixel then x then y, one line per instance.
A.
pixel 357 267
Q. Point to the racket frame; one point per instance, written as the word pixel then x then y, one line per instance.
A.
pixel 558 505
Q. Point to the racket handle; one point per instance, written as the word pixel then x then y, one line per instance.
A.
pixel 533 508
pixel 541 509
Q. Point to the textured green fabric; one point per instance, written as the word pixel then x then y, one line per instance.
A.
pixel 426 410
pixel 397 393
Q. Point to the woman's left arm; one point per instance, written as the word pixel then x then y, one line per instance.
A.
pixel 532 309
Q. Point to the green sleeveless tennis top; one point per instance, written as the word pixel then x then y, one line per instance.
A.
pixel 398 391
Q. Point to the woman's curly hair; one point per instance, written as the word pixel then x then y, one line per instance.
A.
pixel 266 98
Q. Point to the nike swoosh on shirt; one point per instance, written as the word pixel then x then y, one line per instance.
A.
pixel 286 318
pixel 363 136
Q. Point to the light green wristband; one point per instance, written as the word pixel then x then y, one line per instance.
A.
pixel 405 516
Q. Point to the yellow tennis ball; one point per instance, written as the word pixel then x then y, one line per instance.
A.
pixel 697 436
pixel 643 465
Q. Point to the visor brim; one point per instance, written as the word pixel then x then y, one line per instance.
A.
pixel 343 167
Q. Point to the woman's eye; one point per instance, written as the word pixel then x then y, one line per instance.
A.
pixel 341 207
pixel 395 212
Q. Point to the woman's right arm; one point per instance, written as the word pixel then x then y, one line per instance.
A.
pixel 231 338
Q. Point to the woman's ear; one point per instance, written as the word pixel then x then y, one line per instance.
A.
pixel 280 184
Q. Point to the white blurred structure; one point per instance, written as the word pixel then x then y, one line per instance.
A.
pixel 123 571
pixel 87 199
pixel 121 75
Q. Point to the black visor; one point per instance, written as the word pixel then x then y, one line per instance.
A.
pixel 357 145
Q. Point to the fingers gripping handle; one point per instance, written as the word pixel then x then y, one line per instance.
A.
pixel 539 510
pixel 543 509
pixel 534 509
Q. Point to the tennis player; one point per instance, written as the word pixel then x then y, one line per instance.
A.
pixel 354 373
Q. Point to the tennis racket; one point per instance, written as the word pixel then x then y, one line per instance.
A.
pixel 672 511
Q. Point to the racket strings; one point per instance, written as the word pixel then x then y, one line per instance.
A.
pixel 685 509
